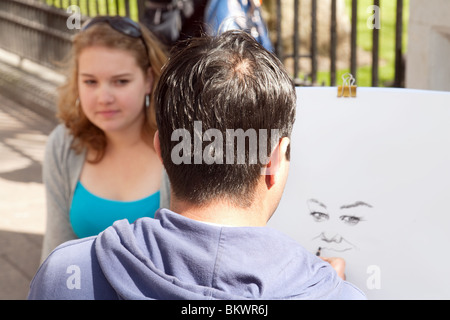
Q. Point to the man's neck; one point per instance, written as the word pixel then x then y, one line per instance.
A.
pixel 221 212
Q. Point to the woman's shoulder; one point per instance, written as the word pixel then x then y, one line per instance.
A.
pixel 60 136
pixel 59 145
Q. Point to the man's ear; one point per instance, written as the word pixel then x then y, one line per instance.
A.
pixel 274 169
pixel 157 145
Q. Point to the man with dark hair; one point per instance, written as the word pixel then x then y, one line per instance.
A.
pixel 228 84
pixel 225 110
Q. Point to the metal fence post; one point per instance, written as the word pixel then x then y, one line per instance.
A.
pixel 314 42
pixel 333 42
pixel 375 50
pixel 399 66
pixel 353 52
pixel 296 38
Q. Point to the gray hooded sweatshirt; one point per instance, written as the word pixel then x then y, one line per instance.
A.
pixel 174 257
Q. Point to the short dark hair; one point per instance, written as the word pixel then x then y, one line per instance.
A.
pixel 224 82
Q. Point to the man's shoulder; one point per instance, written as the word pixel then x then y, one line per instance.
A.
pixel 309 276
pixel 349 291
pixel 66 273
pixel 78 249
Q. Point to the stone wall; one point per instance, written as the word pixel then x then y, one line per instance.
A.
pixel 428 56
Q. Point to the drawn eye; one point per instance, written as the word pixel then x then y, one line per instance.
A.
pixel 350 220
pixel 320 216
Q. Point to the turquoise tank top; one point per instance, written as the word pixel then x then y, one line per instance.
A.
pixel 90 214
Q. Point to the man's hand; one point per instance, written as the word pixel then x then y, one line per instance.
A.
pixel 338 264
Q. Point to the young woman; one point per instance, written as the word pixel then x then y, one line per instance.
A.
pixel 100 165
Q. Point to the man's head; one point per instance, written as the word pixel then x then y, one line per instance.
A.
pixel 213 92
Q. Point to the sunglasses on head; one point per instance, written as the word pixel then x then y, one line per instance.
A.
pixel 123 25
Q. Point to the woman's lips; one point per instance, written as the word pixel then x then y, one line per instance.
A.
pixel 108 113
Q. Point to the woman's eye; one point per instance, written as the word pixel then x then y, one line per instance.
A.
pixel 122 82
pixel 350 220
pixel 319 216
pixel 90 82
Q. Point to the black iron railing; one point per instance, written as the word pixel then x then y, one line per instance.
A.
pixel 36 30
pixel 313 52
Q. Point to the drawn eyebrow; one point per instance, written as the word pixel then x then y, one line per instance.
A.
pixel 356 204
pixel 318 202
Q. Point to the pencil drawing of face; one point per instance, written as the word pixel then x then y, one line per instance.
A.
pixel 337 223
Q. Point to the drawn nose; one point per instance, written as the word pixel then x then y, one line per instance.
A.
pixel 331 237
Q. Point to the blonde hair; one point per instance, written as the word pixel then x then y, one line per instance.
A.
pixel 86 134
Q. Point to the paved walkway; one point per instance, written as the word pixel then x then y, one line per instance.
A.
pixel 27 102
pixel 23 134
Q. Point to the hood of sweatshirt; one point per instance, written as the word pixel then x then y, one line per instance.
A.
pixel 173 257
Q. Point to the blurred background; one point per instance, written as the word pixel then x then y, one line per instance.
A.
pixel 382 43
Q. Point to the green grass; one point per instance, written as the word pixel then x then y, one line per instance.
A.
pixel 386 71
pixel 89 6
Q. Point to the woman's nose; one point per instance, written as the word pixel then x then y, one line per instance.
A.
pixel 105 95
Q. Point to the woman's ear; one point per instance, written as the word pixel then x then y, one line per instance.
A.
pixel 149 81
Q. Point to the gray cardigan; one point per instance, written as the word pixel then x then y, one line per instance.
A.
pixel 61 172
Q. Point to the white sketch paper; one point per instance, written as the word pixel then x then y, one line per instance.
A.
pixel 369 181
